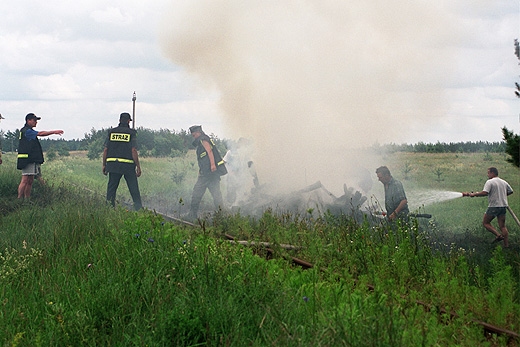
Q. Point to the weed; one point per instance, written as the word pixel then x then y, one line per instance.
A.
pixel 438 172
pixel 407 170
pixel 487 157
pixel 13 264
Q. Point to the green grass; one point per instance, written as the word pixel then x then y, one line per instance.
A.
pixel 74 271
pixel 165 183
pixel 460 172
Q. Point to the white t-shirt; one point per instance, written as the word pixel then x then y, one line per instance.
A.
pixel 497 189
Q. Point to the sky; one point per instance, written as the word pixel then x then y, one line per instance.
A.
pixel 308 81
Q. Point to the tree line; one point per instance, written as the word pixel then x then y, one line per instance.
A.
pixel 150 143
pixel 171 143
pixel 443 147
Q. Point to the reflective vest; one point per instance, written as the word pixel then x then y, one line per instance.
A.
pixel 119 144
pixel 203 159
pixel 29 151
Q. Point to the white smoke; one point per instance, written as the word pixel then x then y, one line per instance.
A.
pixel 310 81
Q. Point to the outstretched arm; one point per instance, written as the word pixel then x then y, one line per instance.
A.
pixel 50 132
pixel 482 193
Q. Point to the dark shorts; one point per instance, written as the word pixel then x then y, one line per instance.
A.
pixel 32 169
pixel 496 211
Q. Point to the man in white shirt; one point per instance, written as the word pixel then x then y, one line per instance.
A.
pixel 497 190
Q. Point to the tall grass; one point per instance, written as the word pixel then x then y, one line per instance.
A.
pixel 74 271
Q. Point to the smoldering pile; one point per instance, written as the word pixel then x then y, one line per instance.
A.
pixel 314 200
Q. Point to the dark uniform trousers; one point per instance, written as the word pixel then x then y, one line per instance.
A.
pixel 210 182
pixel 131 181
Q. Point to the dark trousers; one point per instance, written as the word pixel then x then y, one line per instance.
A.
pixel 210 182
pixel 131 181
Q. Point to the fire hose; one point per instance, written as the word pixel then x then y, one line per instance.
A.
pixel 420 215
pixel 508 208
pixel 514 216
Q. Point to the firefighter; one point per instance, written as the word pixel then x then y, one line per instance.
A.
pixel 120 159
pixel 211 167
pixel 30 154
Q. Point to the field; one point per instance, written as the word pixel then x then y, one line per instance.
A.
pixel 76 272
pixel 167 182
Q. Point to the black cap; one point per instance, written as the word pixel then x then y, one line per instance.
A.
pixel 125 116
pixel 31 116
pixel 196 128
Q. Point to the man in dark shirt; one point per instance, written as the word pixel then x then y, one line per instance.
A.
pixel 120 159
pixel 396 203
pixel 211 167
pixel 30 154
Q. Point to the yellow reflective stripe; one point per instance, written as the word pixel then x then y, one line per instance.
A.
pixel 220 162
pixel 23 156
pixel 203 154
pixel 121 160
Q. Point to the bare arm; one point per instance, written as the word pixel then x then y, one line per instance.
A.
pixel 398 209
pixel 135 157
pixel 482 193
pixel 50 132
pixel 211 157
pixel 105 160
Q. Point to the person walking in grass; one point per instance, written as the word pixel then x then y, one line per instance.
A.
pixel 30 154
pixel 211 167
pixel 497 190
pixel 120 159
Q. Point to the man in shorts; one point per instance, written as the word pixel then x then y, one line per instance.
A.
pixel 497 191
pixel 30 154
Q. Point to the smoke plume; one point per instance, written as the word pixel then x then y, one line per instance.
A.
pixel 313 82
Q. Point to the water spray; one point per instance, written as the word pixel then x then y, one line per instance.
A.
pixel 428 197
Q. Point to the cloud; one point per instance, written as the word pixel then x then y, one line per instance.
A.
pixel 112 15
pixel 82 61
pixel 51 87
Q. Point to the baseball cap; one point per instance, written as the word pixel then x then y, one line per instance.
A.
pixel 196 128
pixel 125 116
pixel 31 116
